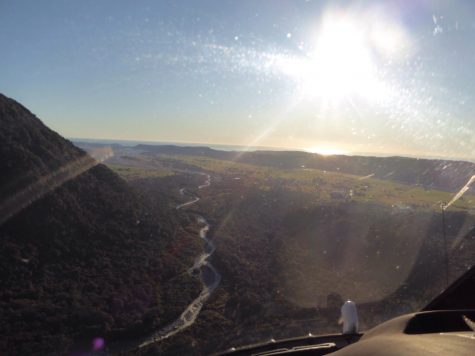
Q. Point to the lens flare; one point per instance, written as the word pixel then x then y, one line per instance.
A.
pixel 344 60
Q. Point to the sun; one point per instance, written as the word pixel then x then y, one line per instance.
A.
pixel 342 62
pixel 327 150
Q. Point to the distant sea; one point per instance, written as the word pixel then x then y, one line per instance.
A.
pixel 130 143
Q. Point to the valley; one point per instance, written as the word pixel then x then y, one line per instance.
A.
pixel 190 250
pixel 293 243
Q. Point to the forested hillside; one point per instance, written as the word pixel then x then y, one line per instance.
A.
pixel 82 255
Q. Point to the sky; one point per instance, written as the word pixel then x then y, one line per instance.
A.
pixel 372 77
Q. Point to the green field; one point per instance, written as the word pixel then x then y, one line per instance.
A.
pixel 132 172
pixel 323 183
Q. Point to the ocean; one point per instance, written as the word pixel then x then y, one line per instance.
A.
pixel 131 143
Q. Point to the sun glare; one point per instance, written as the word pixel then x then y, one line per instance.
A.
pixel 340 63
pixel 327 150
pixel 343 60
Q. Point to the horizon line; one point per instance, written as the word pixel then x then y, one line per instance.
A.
pixel 272 148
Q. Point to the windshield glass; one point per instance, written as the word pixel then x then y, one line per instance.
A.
pixel 257 164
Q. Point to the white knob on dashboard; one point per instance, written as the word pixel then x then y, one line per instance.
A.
pixel 349 317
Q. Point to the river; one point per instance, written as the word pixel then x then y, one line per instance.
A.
pixel 202 268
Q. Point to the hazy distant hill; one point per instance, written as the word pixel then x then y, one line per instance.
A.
pixel 190 151
pixel 76 260
pixel 440 174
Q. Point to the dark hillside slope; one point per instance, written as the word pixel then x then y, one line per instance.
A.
pixel 28 148
pixel 77 261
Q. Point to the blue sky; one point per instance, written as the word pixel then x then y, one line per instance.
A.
pixel 330 76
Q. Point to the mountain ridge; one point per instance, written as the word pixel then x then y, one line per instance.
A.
pixel 81 258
